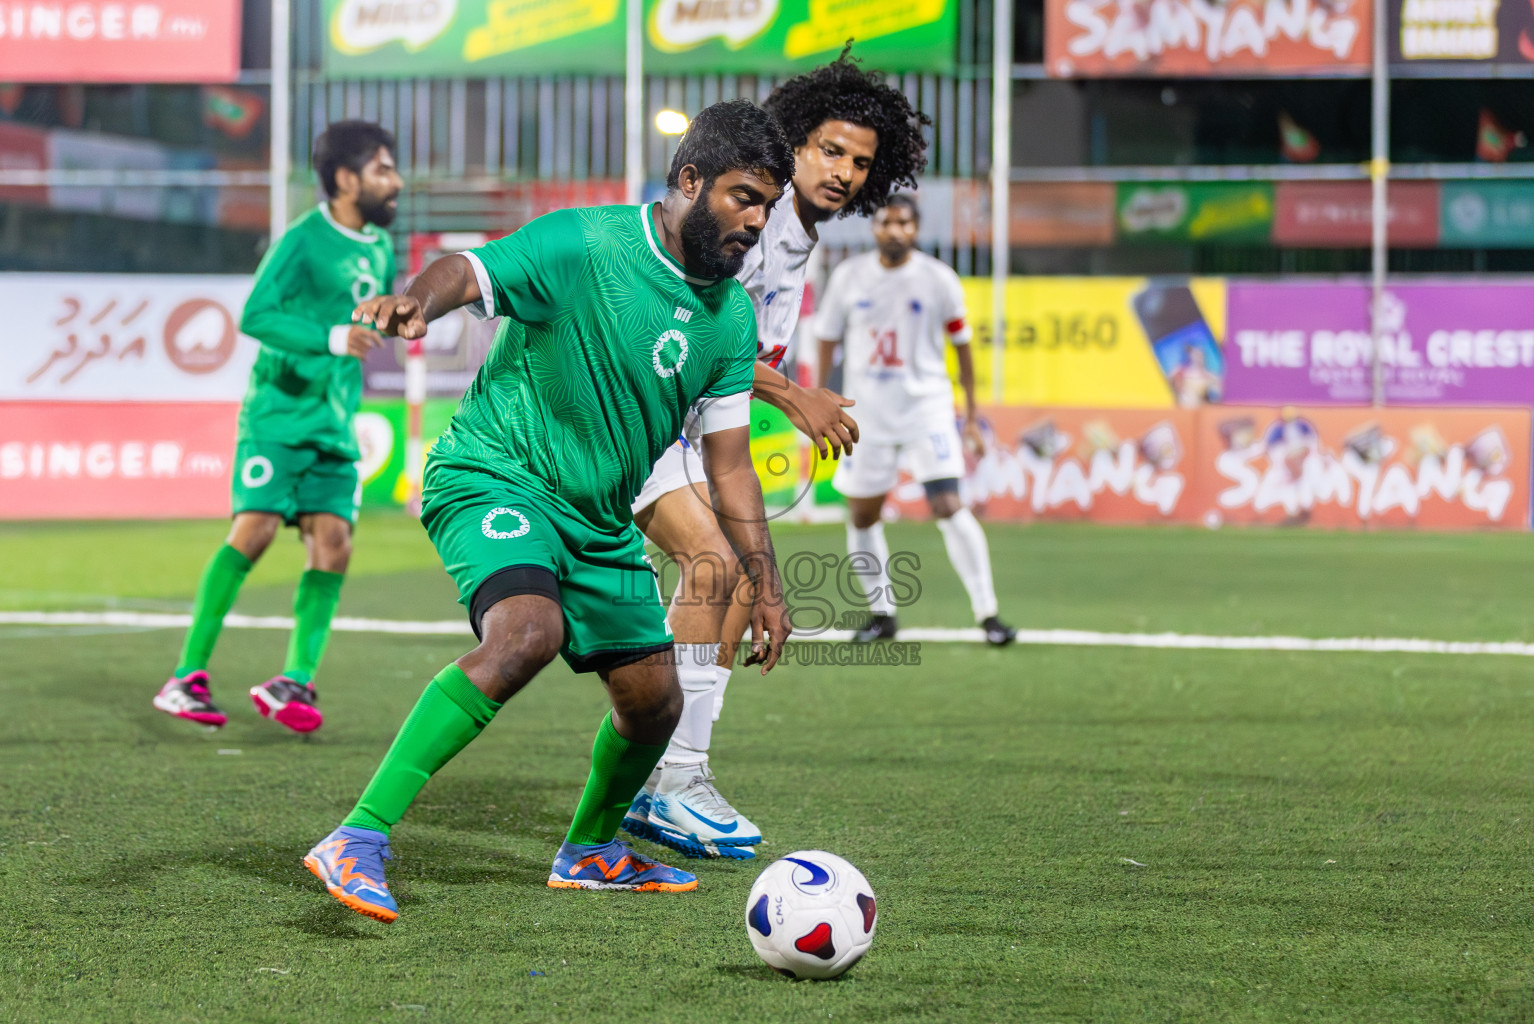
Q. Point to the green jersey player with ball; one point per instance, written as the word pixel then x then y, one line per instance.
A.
pixel 617 321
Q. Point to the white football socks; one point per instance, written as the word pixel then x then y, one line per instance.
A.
pixel 875 584
pixel 695 670
pixel 721 680
pixel 971 557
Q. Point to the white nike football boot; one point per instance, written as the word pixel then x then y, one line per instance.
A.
pixel 687 814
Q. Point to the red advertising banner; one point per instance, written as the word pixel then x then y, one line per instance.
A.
pixel 1421 468
pixel 1245 38
pixel 1339 214
pixel 116 460
pixel 120 41
pixel 23 148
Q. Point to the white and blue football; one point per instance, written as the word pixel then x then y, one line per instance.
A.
pixel 811 915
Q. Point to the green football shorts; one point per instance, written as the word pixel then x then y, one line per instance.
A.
pixel 498 540
pixel 292 482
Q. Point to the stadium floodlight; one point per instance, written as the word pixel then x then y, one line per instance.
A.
pixel 671 122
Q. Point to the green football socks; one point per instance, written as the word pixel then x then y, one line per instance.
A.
pixel 446 719
pixel 216 592
pixel 619 768
pixel 314 605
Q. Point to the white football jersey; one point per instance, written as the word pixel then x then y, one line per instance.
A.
pixel 892 323
pixel 773 275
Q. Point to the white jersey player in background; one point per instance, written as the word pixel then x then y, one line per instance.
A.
pixel 855 138
pixel 891 310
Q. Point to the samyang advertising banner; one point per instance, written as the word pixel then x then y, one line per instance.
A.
pixel 1194 38
pixel 388 39
pixel 120 41
pixel 1278 465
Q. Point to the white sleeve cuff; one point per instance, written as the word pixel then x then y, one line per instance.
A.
pixel 961 337
pixel 339 334
pixel 725 413
pixel 484 309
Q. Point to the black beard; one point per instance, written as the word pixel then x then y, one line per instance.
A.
pixel 703 249
pixel 376 210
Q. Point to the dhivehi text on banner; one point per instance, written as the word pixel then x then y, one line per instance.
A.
pixel 777 36
pixel 1105 342
pixel 1246 38
pixel 426 38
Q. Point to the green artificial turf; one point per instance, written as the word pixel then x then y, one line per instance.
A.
pixel 1054 833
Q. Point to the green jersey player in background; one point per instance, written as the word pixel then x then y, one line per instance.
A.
pixel 296 450
pixel 618 321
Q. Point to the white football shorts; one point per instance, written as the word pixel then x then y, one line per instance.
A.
pixel 873 468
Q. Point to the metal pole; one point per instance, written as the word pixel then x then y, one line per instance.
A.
pixel 633 102
pixel 282 119
pixel 1001 180
pixel 1379 173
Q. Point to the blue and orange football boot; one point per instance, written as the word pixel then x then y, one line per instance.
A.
pixel 350 863
pixel 615 865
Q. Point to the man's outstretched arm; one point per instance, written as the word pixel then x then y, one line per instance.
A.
pixel 817 413
pixel 446 285
pixel 737 498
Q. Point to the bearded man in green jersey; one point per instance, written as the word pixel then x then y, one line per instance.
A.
pixel 618 322
pixel 297 449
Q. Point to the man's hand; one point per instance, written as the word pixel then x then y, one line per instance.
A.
pixel 399 315
pixel 769 621
pixel 818 415
pixel 362 340
pixel 974 440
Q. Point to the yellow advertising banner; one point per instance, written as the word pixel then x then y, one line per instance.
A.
pixel 1104 342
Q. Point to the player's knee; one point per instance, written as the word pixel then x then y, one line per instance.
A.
pixel 520 651
pixel 335 552
pixel 659 707
pixel 252 533
pixel 943 497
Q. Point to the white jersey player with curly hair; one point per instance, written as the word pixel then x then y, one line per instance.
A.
pixel 855 138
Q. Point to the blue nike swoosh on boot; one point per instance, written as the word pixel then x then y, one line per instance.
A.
pixel 726 829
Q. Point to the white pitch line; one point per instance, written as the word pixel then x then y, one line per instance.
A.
pixel 1033 637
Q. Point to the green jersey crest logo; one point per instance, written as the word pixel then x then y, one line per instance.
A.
pixel 487 525
pixel 667 360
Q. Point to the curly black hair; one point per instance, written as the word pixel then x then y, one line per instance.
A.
pixel 843 91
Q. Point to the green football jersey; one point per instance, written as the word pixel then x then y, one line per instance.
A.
pixel 310 281
pixel 605 345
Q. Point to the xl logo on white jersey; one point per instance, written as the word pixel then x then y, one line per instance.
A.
pixel 659 351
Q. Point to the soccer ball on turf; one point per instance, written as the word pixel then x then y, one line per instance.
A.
pixel 811 915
